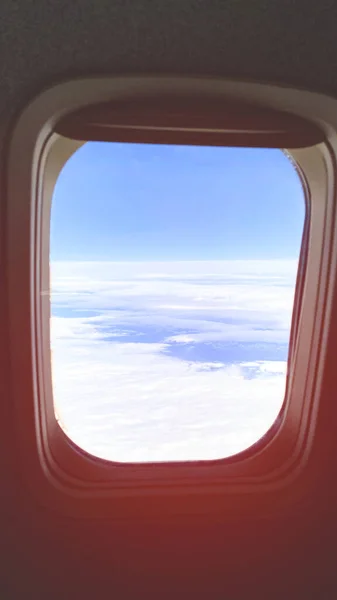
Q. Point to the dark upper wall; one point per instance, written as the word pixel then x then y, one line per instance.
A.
pixel 42 41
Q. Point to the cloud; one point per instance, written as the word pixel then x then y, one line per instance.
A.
pixel 169 361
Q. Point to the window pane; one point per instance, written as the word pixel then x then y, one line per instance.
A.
pixel 173 274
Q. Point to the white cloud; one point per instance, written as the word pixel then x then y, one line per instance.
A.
pixel 129 398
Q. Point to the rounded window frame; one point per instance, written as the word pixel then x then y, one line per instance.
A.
pixel 59 470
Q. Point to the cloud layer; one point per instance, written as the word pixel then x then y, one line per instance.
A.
pixel 170 361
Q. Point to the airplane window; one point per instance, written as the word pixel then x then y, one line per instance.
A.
pixel 173 274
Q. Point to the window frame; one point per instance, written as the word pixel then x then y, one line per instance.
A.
pixel 59 472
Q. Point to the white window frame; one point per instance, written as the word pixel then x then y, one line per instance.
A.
pixel 57 471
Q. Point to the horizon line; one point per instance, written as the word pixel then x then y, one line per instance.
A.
pixel 103 260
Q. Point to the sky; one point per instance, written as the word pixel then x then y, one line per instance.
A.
pixel 149 202
pixel 172 282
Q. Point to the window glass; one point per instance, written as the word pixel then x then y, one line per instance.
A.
pixel 173 274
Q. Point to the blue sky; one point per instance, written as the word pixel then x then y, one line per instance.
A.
pixel 173 274
pixel 146 202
